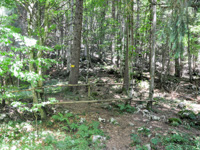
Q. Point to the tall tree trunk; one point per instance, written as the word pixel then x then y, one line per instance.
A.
pixel 188 48
pixel 126 69
pixel 113 53
pixel 153 47
pixel 150 31
pixel 69 49
pixel 75 53
pixel 137 35
pixel 163 72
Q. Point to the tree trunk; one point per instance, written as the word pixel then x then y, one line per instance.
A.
pixel 126 69
pixel 137 35
pixel 113 53
pixel 69 49
pixel 75 52
pixel 188 48
pixel 153 47
pixel 177 67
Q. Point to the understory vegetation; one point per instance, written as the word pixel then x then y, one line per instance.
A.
pixel 99 74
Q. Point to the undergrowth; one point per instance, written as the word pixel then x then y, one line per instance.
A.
pixel 70 134
pixel 177 141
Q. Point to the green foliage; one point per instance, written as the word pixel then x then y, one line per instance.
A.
pixel 176 141
pixel 155 140
pixel 139 147
pixel 126 108
pixel 174 121
pixel 136 139
pixel 15 135
pixel 144 131
pixel 187 114
pixel 62 118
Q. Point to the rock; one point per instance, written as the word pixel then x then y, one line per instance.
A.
pixel 148 146
pixel 163 117
pixel 155 118
pixel 101 119
pixel 145 112
pixel 181 105
pixel 98 137
pixel 140 106
pixel 131 124
pixel 82 120
pixel 114 121
pixel 2 116
pixel 66 111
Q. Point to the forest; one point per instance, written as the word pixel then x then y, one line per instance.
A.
pixel 99 74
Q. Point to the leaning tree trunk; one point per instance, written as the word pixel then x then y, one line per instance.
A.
pixel 75 52
pixel 153 47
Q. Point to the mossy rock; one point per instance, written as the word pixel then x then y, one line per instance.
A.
pixel 187 114
pixel 174 121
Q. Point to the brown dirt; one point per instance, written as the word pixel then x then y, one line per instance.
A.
pixel 120 134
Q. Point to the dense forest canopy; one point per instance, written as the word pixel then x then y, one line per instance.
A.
pixel 74 40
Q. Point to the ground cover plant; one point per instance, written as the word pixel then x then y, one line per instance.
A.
pixel 69 134
pixel 99 74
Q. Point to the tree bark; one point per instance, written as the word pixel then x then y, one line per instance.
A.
pixel 153 47
pixel 188 48
pixel 126 69
pixel 75 52
pixel 177 67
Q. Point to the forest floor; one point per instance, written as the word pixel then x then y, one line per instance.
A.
pixel 173 124
pixel 141 128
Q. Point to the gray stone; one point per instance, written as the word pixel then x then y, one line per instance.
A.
pixel 131 124
pixel 181 105
pixel 66 111
pixel 82 120
pixel 101 119
pixel 98 137
pixel 148 146
pixel 155 118
pixel 114 121
pixel 2 116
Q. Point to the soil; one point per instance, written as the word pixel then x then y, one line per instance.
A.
pixel 127 123
pixel 120 139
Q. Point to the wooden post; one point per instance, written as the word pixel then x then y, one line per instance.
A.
pixel 89 89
